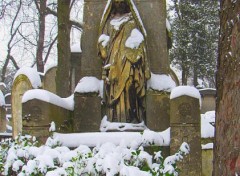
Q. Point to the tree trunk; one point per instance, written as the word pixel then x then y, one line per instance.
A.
pixel 40 44
pixel 64 53
pixel 227 137
pixel 184 75
pixel 195 76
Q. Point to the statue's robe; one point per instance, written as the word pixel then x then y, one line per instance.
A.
pixel 125 72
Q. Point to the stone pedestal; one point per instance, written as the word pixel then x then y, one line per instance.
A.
pixel 87 113
pixel 185 127
pixel 157 111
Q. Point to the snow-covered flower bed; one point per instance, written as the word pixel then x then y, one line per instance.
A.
pixel 23 157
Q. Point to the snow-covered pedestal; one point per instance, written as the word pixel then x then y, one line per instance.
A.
pixel 87 107
pixel 157 101
pixel 185 127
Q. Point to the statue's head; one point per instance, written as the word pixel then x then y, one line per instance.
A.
pixel 120 7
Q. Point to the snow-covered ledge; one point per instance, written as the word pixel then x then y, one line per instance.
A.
pixel 115 126
pixel 46 96
pixel 129 139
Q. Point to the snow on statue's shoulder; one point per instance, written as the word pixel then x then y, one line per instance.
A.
pixel 161 82
pixel 46 96
pixel 135 39
pixel 185 90
pixel 32 75
pixel 89 85
pixel 2 99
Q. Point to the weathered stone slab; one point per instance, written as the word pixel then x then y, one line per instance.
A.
pixel 157 112
pixel 185 127
pixel 208 100
pixel 37 116
pixel 21 84
pixel 49 82
pixel 3 120
pixel 207 162
pixel 87 113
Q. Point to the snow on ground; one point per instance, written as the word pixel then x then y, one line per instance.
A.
pixel 2 99
pixel 32 75
pixel 46 96
pixel 161 83
pixel 25 158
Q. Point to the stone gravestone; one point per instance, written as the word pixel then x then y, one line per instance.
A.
pixel 185 127
pixel 48 80
pixel 3 120
pixel 38 115
pixel 21 84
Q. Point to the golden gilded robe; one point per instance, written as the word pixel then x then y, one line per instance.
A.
pixel 125 72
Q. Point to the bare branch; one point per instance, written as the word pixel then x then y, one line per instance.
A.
pixel 49 49
pixel 77 25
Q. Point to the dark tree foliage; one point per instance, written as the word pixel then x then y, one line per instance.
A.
pixel 195 29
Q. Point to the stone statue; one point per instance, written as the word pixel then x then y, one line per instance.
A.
pixel 122 47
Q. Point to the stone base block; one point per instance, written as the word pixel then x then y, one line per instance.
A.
pixel 87 114
pixel 157 112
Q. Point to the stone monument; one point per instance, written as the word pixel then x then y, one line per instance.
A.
pixel 153 31
pixel 185 127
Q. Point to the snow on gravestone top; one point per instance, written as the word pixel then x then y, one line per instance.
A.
pixel 2 99
pixel 185 90
pixel 89 85
pixel 161 82
pixel 46 96
pixel 75 48
pixel 32 75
